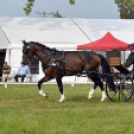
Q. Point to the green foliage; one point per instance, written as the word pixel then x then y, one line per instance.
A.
pixel 28 8
pixel 57 15
pixel 126 8
pixel 118 2
pixel 30 4
pixel 130 3
pixel 72 2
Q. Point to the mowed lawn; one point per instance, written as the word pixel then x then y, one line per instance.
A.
pixel 24 111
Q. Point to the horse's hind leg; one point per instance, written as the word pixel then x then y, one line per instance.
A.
pixel 99 83
pixel 102 91
pixel 92 92
pixel 44 79
pixel 60 86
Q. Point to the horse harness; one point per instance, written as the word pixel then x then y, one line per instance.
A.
pixel 53 65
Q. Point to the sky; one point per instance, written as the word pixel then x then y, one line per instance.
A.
pixel 88 9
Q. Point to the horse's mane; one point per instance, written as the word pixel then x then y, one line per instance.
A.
pixel 42 46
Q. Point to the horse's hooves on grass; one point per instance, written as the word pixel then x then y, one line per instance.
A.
pixel 46 96
pixel 101 101
pixel 91 99
pixel 60 101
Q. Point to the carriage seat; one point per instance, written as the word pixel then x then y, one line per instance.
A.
pixel 116 63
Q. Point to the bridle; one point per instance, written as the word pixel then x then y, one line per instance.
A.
pixel 27 58
pixel 53 52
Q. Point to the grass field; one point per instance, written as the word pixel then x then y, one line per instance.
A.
pixel 24 111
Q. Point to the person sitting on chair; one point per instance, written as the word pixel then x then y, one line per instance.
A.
pixel 6 69
pixel 22 71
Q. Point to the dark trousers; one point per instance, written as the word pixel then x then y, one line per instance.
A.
pixel 22 77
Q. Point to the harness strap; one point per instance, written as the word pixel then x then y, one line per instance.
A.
pixel 75 69
pixel 46 65
pixel 87 58
pixel 63 62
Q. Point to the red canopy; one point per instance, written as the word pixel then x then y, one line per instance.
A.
pixel 108 42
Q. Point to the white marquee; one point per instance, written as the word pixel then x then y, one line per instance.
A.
pixel 64 34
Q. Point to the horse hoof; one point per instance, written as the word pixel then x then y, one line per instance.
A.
pixel 101 101
pixel 46 96
pixel 60 101
pixel 90 99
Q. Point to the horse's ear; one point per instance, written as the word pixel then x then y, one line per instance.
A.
pixel 24 42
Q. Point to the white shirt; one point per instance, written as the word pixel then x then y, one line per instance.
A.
pixel 24 70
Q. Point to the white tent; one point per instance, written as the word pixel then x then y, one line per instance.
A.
pixel 4 42
pixel 64 34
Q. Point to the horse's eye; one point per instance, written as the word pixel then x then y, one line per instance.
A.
pixel 26 51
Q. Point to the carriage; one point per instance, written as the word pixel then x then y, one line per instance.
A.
pixel 123 81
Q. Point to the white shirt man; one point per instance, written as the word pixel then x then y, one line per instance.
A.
pixel 22 71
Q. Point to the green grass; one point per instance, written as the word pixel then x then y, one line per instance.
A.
pixel 24 111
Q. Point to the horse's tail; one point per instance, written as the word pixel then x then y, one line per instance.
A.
pixel 106 69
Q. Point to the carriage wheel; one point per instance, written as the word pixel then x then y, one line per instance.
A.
pixel 126 89
pixel 113 96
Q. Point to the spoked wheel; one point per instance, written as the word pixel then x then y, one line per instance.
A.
pixel 113 96
pixel 126 89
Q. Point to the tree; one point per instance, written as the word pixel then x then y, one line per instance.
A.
pixel 30 4
pixel 126 8
pixel 72 2
pixel 57 15
pixel 28 8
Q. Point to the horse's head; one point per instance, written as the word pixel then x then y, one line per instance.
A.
pixel 27 52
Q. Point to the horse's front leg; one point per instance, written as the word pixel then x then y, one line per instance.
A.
pixel 60 86
pixel 44 79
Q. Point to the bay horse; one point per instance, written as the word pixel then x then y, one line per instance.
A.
pixel 57 64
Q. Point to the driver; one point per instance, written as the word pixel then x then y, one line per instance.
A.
pixel 130 60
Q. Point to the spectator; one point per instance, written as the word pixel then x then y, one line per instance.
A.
pixel 22 71
pixel 6 69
